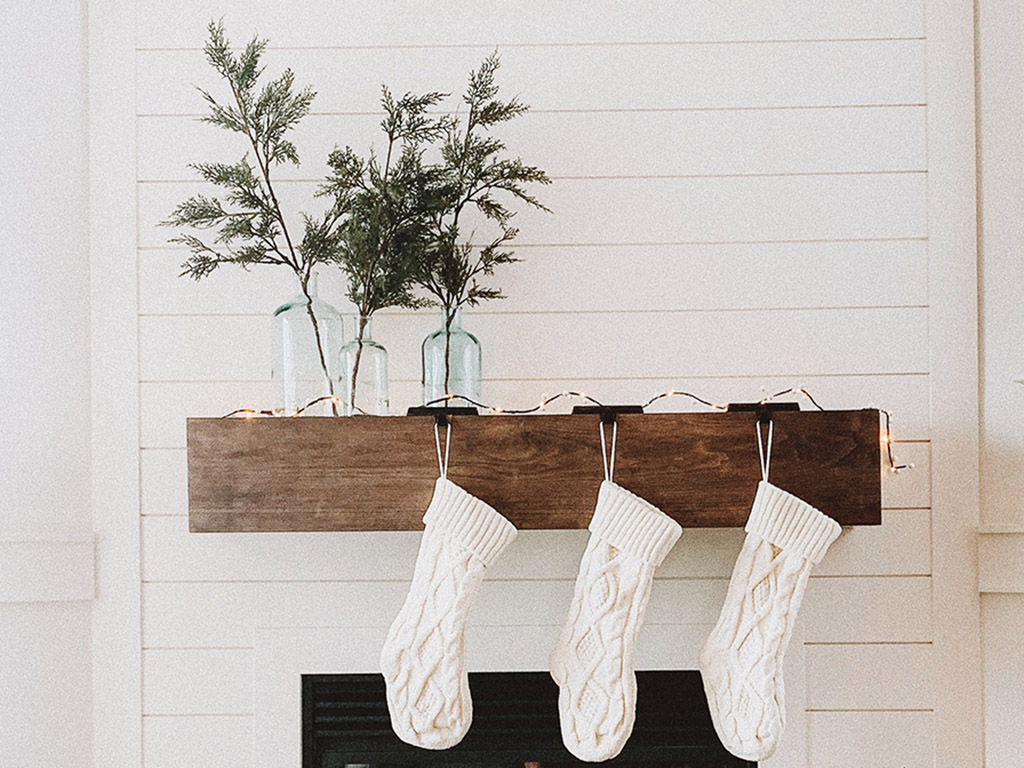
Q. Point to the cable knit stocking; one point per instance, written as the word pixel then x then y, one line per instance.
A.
pixel 741 663
pixel 592 663
pixel 423 658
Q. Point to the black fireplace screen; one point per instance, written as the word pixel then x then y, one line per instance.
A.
pixel 345 724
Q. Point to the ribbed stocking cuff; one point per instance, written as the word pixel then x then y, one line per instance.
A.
pixel 630 523
pixel 470 521
pixel 790 523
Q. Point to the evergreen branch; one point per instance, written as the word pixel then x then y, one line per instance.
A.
pixel 249 223
pixel 250 213
pixel 474 172
pixel 224 117
pixel 382 204
pixel 276 112
pixel 198 211
pixel 204 259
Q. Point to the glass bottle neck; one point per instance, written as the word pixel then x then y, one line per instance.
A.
pixel 452 321
pixel 364 328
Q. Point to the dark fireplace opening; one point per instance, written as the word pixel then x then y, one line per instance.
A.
pixel 345 724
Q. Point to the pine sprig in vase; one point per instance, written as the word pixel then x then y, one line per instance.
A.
pixel 384 210
pixel 474 175
pixel 248 224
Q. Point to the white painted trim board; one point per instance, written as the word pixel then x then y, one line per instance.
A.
pixel 953 350
pixel 116 637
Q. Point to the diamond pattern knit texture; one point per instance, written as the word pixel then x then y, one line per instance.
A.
pixel 423 657
pixel 592 662
pixel 741 663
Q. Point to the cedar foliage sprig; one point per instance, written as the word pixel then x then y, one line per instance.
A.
pixel 248 222
pixel 380 240
pixel 475 173
pixel 383 209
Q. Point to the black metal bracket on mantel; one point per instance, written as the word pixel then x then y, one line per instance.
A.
pixel 608 413
pixel 764 411
pixel 442 412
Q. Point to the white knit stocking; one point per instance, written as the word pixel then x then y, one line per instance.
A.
pixel 423 658
pixel 592 663
pixel 741 663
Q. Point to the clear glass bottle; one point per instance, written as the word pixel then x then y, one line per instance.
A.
pixel 451 362
pixel 363 367
pixel 306 336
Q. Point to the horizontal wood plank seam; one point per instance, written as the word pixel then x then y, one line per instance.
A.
pixel 768 375
pixel 565 44
pixel 871 709
pixel 622 177
pixel 563 581
pixel 165 715
pixel 147 647
pixel 602 110
pixel 667 244
pixel 583 312
pixel 157 716
pixel 866 642
pixel 614 379
pixel 877 643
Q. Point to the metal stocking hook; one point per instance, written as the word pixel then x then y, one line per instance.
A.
pixel 763 453
pixel 442 462
pixel 608 457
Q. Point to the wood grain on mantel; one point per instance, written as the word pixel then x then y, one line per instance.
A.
pixel 377 473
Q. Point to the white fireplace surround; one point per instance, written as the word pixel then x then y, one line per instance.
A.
pixel 283 654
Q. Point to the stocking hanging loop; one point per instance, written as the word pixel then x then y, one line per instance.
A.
pixel 442 461
pixel 764 453
pixel 608 457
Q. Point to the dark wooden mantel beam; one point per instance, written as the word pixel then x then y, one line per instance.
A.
pixel 377 473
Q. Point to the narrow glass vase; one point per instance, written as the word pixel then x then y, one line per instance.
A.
pixel 364 373
pixel 451 363
pixel 306 336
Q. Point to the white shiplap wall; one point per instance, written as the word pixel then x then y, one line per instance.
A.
pixel 740 203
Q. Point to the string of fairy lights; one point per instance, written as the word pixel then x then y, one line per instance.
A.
pixel 885 437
